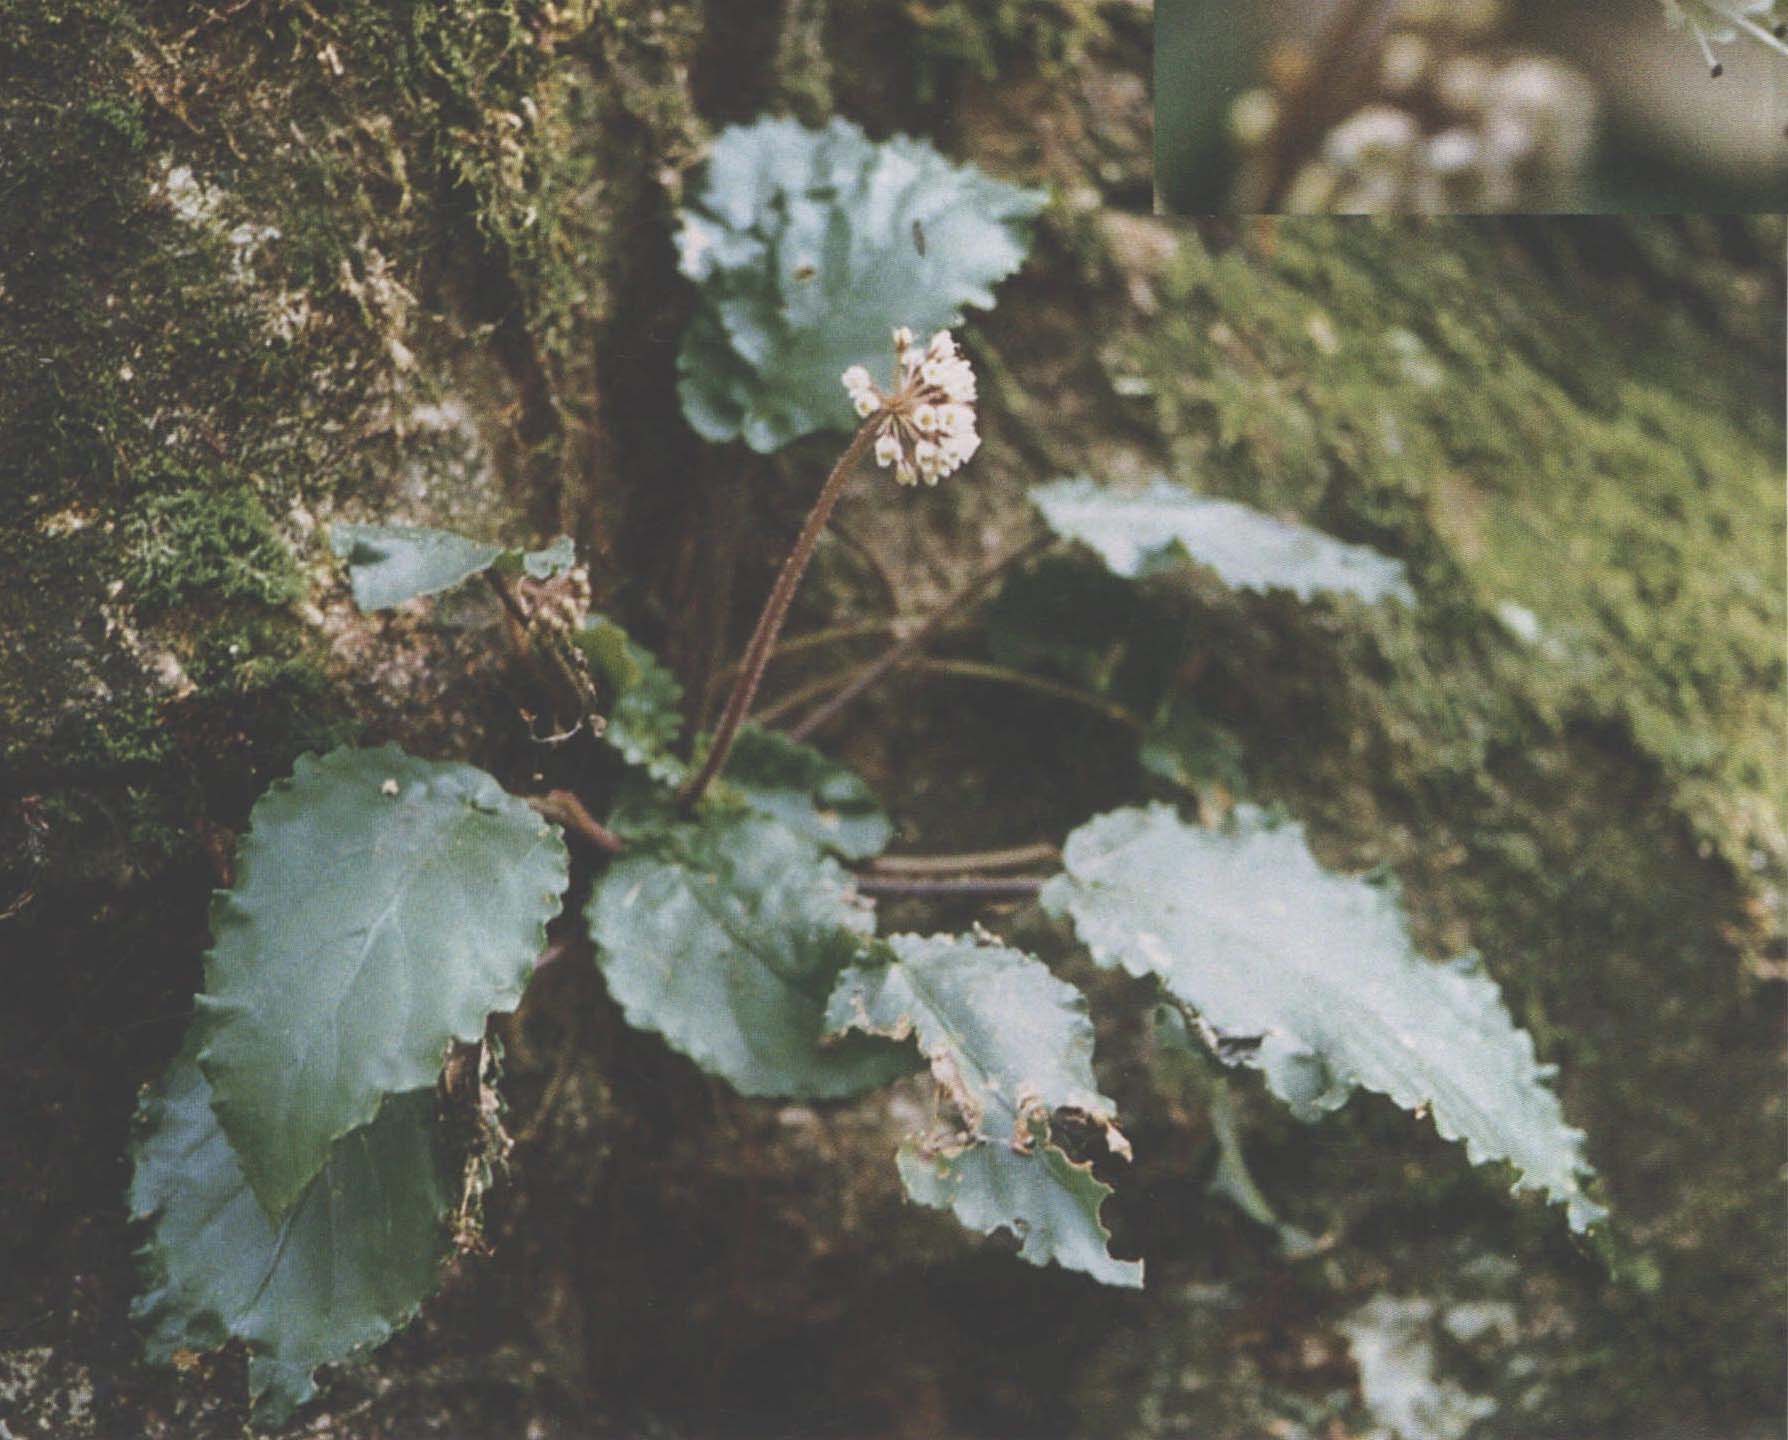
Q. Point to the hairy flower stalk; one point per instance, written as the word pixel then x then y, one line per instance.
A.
pixel 924 429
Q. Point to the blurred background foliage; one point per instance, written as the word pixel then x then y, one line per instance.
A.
pixel 1668 138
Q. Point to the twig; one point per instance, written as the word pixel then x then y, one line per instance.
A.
pixel 1011 887
pixel 1015 858
pixel 819 639
pixel 214 17
pixel 800 696
pixel 965 670
pixel 551 648
pixel 569 811
pixel 769 623
pixel 921 637
pixel 549 1100
pixel 1038 684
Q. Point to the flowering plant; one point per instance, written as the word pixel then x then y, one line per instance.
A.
pixel 326 1134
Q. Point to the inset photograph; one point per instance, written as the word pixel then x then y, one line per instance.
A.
pixel 1470 106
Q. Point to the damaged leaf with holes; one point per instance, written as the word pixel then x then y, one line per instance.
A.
pixel 1010 1046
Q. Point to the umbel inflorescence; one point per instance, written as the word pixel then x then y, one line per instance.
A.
pixel 926 424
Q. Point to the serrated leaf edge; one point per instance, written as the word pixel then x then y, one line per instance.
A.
pixel 1057 899
pixel 466 1025
pixel 1038 1144
pixel 157 1291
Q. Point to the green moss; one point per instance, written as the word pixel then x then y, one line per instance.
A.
pixel 987 37
pixel 1599 503
pixel 197 543
pixel 231 282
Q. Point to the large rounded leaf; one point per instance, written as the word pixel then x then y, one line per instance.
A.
pixel 353 1259
pixel 724 937
pixel 807 247
pixel 383 906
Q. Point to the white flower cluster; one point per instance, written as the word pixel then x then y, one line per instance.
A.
pixel 926 428
pixel 1720 22
pixel 1455 123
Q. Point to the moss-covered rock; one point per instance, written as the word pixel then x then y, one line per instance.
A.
pixel 1590 494
pixel 1569 750
pixel 274 265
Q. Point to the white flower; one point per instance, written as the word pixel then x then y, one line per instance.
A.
pixel 865 398
pixel 1453 152
pixel 1253 117
pixel 1403 62
pixel 1376 133
pixel 925 426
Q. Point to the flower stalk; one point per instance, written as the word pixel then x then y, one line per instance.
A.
pixel 769 623
pixel 923 429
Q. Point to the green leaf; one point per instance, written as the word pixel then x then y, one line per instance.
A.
pixel 1312 978
pixel 1185 749
pixel 808 792
pixel 1038 1193
pixel 641 697
pixel 389 564
pixel 383 906
pixel 803 246
pixel 724 937
pixel 350 1263
pixel 1137 532
pixel 556 559
pixel 1009 1045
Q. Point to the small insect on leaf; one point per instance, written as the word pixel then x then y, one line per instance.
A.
pixel 806 270
pixel 919 238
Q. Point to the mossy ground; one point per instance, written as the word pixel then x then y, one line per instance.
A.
pixel 399 260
